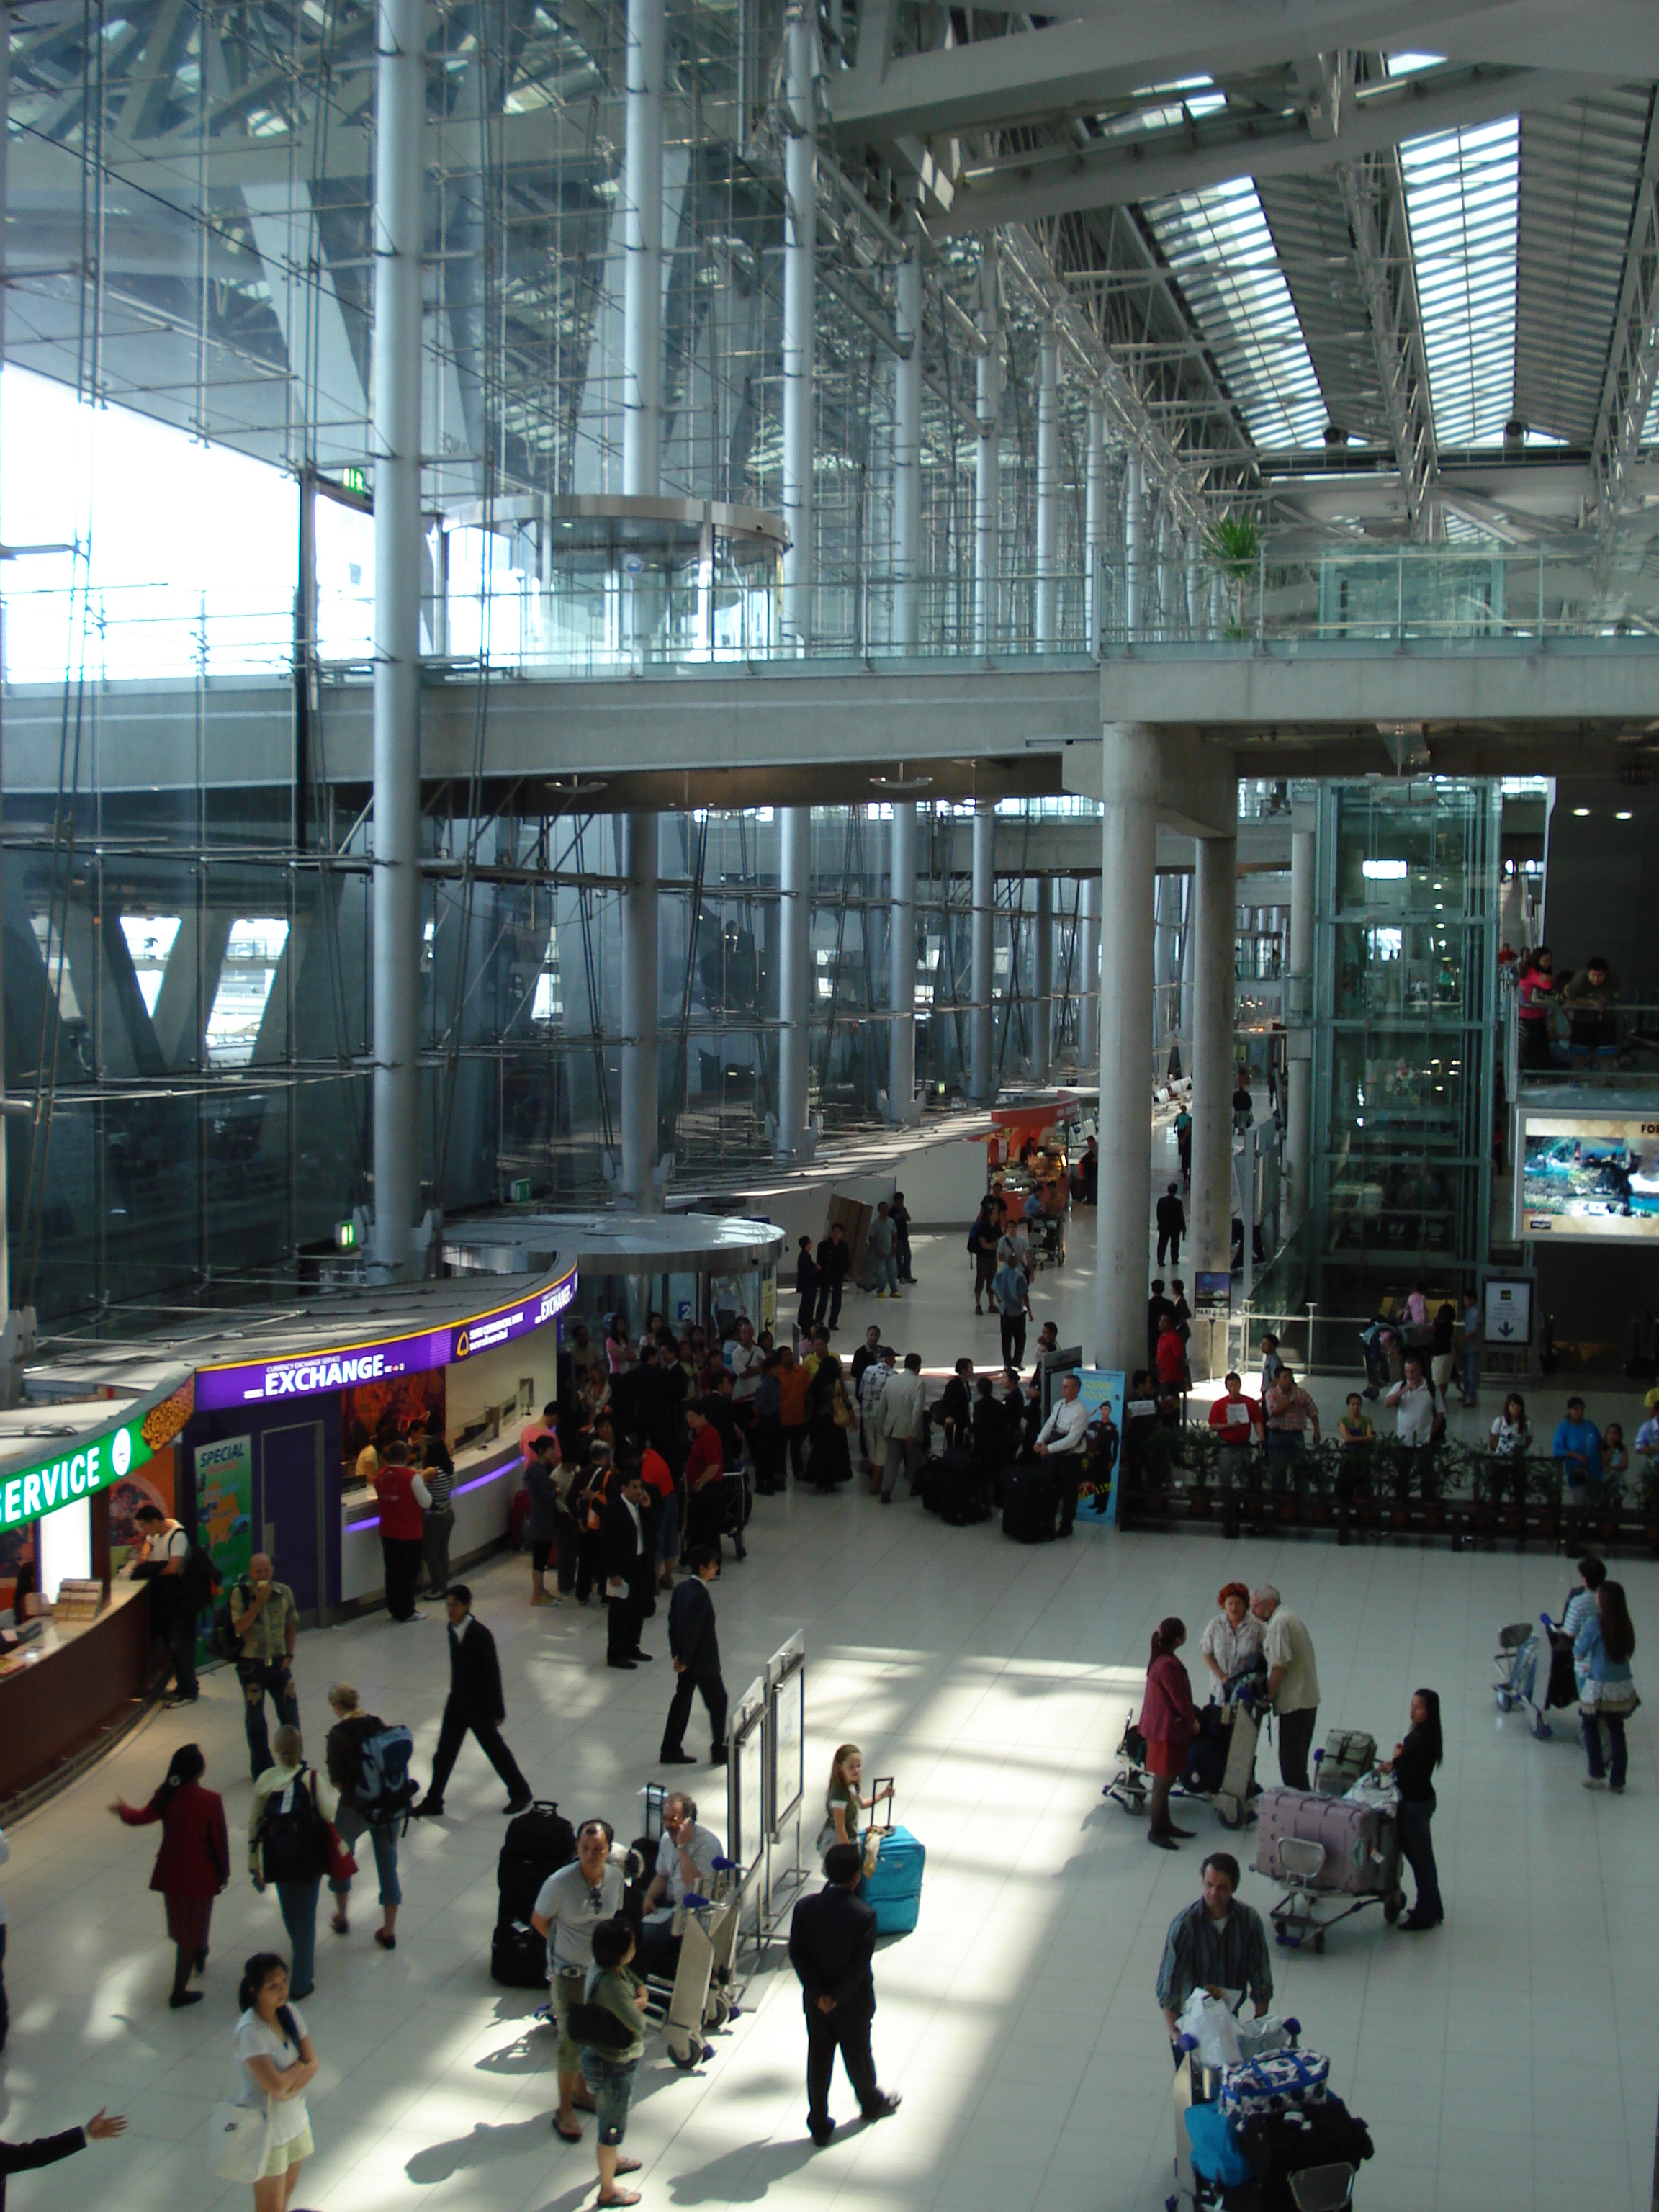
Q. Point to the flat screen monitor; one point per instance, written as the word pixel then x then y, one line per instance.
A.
pixel 1587 1178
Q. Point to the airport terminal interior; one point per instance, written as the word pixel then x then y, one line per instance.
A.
pixel 657 652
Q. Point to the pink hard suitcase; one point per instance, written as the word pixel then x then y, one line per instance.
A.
pixel 1362 1845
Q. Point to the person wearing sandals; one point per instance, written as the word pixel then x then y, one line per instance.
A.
pixel 1601 1652
pixel 191 1867
pixel 843 1805
pixel 570 1905
pixel 276 2063
pixel 1412 1768
pixel 608 2068
pixel 1168 1723
pixel 344 1758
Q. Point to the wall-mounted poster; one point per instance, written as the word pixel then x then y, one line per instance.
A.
pixel 1587 1177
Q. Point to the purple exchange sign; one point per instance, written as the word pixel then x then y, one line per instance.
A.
pixel 301 1375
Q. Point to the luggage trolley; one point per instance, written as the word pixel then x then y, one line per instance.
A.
pixel 1239 1724
pixel 1311 1904
pixel 700 1999
pixel 1524 1653
pixel 1128 1787
pixel 1326 2188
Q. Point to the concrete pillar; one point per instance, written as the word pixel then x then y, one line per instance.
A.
pixel 1298 1022
pixel 637 837
pixel 1214 929
pixel 1047 617
pixel 643 251
pixel 1042 984
pixel 1134 550
pixel 902 966
pixel 1094 518
pixel 907 449
pixel 1088 976
pixel 395 439
pixel 988 475
pixel 795 981
pixel 981 983
pixel 799 311
pixel 1128 826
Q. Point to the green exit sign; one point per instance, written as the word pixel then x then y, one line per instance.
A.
pixel 356 480
pixel 519 1191
pixel 345 1236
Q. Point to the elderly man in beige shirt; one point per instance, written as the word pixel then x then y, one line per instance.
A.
pixel 1292 1683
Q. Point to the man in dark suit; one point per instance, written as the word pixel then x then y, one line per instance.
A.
pixel 1171 1225
pixel 695 1648
pixel 475 1702
pixel 832 1943
pixel 627 1567
pixel 47 2150
pixel 833 1253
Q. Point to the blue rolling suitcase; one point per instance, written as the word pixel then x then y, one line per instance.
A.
pixel 893 1892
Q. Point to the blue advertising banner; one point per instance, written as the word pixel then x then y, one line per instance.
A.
pixel 1102 1390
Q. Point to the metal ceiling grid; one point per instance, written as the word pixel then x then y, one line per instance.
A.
pixel 1580 165
pixel 1462 194
pixel 1309 227
pixel 1219 245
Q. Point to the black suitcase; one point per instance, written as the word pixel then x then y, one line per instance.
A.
pixel 959 1489
pixel 1206 1757
pixel 1304 2138
pixel 1030 1505
pixel 933 1485
pixel 537 1843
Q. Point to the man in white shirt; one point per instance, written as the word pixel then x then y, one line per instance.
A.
pixel 1061 1434
pixel 1416 1404
pixel 167 1548
pixel 686 1861
pixel 899 1418
pixel 570 1906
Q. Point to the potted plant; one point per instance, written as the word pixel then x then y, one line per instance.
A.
pixel 1234 546
pixel 1199 1454
pixel 1320 1482
pixel 1396 1471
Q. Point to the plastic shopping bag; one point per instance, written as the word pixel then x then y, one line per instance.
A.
pixel 1213 2028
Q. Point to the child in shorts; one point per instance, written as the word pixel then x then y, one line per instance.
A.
pixel 609 2068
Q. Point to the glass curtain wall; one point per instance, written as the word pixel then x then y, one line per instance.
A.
pixel 1405 1039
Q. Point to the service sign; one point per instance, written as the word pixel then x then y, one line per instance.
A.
pixel 91 1464
pixel 344 1367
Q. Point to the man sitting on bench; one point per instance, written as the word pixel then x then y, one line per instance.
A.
pixel 685 1860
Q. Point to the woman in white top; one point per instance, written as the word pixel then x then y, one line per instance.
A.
pixel 1234 1637
pixel 275 2065
pixel 1511 1437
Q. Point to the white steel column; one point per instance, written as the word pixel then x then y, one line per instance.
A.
pixel 800 311
pixel 906 448
pixel 1042 984
pixel 1298 1019
pixel 1088 972
pixel 399 130
pixel 987 474
pixel 795 977
pixel 1214 933
pixel 1047 624
pixel 637 836
pixel 1094 519
pixel 902 965
pixel 643 251
pixel 1129 827
pixel 981 1077
pixel 1133 550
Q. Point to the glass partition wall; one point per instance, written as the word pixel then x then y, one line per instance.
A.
pixel 1405 1039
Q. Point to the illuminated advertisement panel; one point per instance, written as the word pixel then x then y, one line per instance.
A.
pixel 1587 1177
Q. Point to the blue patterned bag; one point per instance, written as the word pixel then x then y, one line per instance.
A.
pixel 1273 2082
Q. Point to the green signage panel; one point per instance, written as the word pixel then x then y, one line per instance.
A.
pixel 93 1463
pixel 519 1192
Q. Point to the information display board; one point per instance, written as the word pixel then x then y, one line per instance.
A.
pixel 785 1674
pixel 1506 1310
pixel 745 1778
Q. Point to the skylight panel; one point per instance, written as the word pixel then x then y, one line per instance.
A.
pixel 1219 245
pixel 1462 193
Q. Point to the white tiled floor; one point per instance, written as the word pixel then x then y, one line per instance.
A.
pixel 1508 2061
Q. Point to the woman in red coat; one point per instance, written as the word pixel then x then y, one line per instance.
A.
pixel 193 1864
pixel 1169 1723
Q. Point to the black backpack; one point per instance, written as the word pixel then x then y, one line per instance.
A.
pixel 199 1581
pixel 222 1640
pixel 291 1833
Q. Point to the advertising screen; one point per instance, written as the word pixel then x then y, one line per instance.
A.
pixel 1587 1177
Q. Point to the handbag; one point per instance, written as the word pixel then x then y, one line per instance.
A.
pixel 1618 1698
pixel 239 2137
pixel 338 1853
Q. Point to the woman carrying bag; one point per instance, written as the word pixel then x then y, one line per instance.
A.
pixel 261 2135
pixel 1601 1652
pixel 1168 1723
pixel 191 1867
pixel 1412 1768
pixel 293 1844
pixel 830 1415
